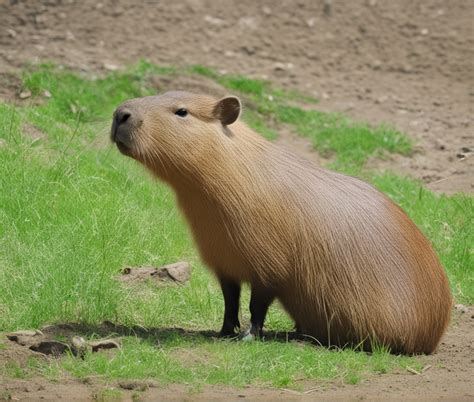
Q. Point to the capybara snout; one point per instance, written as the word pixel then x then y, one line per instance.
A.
pixel 344 260
pixel 126 119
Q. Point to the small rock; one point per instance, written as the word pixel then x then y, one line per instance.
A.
pixel 381 99
pixel 70 35
pixel 248 23
pixel 178 272
pixel 104 344
pixel 11 33
pixel 46 94
pixel 111 67
pixel 266 10
pixel 405 68
pixel 424 32
pixel 283 66
pixel 461 307
pixel 78 346
pixel 279 66
pixel 249 50
pixel 311 22
pixel 214 21
pixel 25 94
pixel 376 64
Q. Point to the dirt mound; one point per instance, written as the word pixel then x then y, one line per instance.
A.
pixel 406 63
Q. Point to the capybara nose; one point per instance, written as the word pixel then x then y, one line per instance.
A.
pixel 121 116
pixel 122 119
pixel 124 122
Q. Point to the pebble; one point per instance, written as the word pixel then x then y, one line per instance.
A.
pixel 25 94
pixel 11 33
pixel 111 67
pixel 248 23
pixel 461 307
pixel 311 22
pixel 282 66
pixel 214 21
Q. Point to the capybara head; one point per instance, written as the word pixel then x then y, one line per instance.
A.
pixel 174 129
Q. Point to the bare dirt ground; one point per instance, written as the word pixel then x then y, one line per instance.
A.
pixel 406 63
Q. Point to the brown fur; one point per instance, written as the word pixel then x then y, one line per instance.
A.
pixel 347 264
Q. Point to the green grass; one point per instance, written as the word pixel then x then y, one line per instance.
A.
pixel 73 212
pixel 198 361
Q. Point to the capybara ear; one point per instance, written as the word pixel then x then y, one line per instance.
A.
pixel 227 110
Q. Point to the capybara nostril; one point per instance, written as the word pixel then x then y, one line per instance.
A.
pixel 121 116
pixel 125 121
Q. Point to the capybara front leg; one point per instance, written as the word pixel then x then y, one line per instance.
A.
pixel 260 301
pixel 231 292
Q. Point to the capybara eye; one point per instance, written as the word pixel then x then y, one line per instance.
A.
pixel 181 112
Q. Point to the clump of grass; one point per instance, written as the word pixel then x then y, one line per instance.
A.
pixel 13 370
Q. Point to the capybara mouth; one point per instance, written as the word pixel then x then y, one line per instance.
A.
pixel 124 149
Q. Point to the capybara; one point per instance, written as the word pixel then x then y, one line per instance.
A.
pixel 346 263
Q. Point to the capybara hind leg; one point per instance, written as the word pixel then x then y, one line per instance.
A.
pixel 231 292
pixel 260 301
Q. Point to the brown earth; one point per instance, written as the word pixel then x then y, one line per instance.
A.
pixel 407 63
